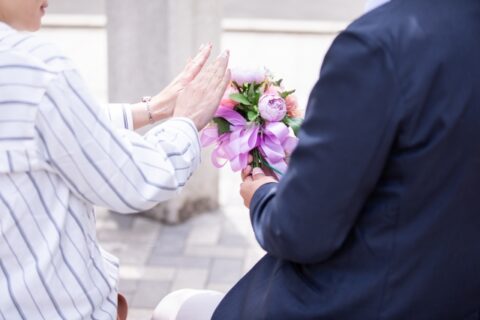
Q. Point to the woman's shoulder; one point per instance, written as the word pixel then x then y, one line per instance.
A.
pixel 25 68
pixel 34 50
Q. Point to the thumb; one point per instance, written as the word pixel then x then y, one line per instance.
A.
pixel 257 174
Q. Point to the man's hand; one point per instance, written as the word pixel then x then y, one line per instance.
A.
pixel 252 181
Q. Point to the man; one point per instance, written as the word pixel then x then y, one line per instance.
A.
pixel 378 214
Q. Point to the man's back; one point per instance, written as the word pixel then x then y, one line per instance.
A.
pixel 378 216
pixel 432 176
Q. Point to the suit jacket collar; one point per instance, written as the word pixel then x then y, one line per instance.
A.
pixel 372 4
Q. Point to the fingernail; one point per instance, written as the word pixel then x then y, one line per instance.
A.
pixel 257 171
pixel 224 54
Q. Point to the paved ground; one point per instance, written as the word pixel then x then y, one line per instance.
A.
pixel 210 251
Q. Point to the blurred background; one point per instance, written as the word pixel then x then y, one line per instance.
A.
pixel 129 48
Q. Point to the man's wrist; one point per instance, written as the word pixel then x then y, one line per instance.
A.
pixel 262 192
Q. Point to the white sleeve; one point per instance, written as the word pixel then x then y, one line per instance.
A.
pixel 114 168
pixel 120 115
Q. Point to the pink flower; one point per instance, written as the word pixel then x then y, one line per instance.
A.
pixel 273 90
pixel 248 75
pixel 226 101
pixel 272 108
pixel 292 107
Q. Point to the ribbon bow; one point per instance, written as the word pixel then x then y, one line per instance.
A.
pixel 273 140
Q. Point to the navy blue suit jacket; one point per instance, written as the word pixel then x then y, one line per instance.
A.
pixel 378 216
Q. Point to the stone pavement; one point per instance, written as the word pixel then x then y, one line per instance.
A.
pixel 213 250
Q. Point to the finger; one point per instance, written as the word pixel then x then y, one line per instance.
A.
pixel 222 87
pixel 246 172
pixel 201 58
pixel 247 180
pixel 250 158
pixel 203 75
pixel 204 50
pixel 257 173
pixel 220 68
pixel 193 69
pixel 212 75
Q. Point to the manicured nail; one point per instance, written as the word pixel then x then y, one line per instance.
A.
pixel 224 54
pixel 257 171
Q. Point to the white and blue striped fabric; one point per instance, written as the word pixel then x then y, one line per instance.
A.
pixel 61 154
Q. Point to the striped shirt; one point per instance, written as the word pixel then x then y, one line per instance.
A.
pixel 61 154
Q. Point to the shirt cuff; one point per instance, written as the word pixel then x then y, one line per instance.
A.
pixel 187 128
pixel 120 115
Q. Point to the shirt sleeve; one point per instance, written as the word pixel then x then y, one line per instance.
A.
pixel 120 115
pixel 114 168
pixel 345 141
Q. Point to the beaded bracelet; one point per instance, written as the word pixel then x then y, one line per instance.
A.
pixel 147 100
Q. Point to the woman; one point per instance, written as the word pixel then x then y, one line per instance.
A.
pixel 61 153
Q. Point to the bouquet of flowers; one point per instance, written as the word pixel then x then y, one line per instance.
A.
pixel 256 117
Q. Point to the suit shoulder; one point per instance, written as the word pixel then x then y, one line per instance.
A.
pixel 396 26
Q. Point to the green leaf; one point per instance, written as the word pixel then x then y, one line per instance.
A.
pixel 240 98
pixel 252 115
pixel 287 93
pixel 259 85
pixel 256 98
pixel 237 86
pixel 222 124
pixel 278 83
pixel 251 92
pixel 294 123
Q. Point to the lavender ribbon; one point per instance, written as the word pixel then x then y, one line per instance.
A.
pixel 273 140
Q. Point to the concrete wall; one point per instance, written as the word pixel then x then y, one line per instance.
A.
pixel 294 9
pixel 147 48
pixel 270 9
pixel 77 7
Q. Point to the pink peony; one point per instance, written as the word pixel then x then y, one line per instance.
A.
pixel 273 90
pixel 226 101
pixel 272 108
pixel 293 110
pixel 248 75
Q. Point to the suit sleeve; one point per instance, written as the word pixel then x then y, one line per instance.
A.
pixel 344 144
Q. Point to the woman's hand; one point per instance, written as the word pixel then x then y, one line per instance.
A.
pixel 200 99
pixel 163 104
